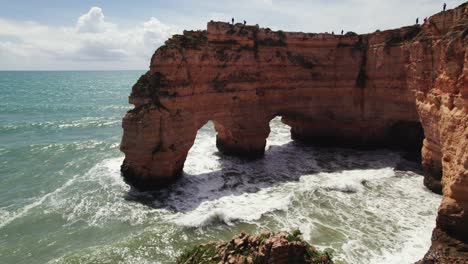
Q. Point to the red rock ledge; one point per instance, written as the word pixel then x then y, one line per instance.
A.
pixel 265 248
pixel 359 90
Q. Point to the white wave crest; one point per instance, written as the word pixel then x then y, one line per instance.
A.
pixel 247 207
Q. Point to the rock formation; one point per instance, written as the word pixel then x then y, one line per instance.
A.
pixel 266 248
pixel 358 90
pixel 438 72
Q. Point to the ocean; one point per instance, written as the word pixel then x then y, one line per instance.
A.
pixel 62 199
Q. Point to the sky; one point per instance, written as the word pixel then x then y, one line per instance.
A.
pixel 122 35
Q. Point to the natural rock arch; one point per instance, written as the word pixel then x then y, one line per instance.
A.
pixel 360 89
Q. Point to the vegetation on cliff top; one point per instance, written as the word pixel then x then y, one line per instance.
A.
pixel 190 40
pixel 408 34
pixel 266 247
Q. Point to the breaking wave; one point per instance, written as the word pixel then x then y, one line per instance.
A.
pixel 86 122
pixel 355 203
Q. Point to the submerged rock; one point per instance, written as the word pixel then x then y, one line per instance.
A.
pixel 280 248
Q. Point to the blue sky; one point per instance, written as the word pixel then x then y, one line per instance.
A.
pixel 113 34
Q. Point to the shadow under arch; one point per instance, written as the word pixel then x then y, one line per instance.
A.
pixel 210 175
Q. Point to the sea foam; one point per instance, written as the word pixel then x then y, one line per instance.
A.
pixel 353 202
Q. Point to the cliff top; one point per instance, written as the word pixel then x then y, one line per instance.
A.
pixel 251 35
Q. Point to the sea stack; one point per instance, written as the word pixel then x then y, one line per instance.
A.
pixel 405 88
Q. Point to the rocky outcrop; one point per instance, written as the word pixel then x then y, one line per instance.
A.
pixel 330 89
pixel 266 248
pixel 358 90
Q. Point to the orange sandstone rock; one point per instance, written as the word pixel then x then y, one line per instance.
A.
pixel 343 89
pixel 268 248
pixel 439 75
pixel 360 90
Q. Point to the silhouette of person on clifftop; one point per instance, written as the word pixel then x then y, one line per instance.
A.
pixel 445 6
pixel 245 22
pixel 417 20
pixel 342 32
pixel 232 21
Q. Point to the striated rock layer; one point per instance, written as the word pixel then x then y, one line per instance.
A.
pixel 438 72
pixel 357 90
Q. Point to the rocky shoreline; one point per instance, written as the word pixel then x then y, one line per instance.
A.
pixel 265 248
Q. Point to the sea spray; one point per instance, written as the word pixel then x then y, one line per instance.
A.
pixel 62 198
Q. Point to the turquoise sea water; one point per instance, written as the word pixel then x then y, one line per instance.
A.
pixel 62 199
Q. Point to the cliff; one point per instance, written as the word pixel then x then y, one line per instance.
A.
pixel 339 89
pixel 367 90
pixel 438 72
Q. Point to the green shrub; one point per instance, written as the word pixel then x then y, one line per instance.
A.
pixel 281 35
pixel 186 41
pixel 393 38
pixel 397 37
pixel 255 249
pixel 351 34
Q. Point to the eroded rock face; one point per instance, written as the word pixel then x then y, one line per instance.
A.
pixel 265 248
pixel 330 89
pixel 358 90
pixel 439 75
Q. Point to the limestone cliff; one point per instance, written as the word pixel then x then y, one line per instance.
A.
pixel 359 90
pixel 340 89
pixel 438 72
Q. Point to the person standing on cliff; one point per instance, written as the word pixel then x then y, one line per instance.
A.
pixel 245 22
pixel 417 21
pixel 232 19
pixel 342 32
pixel 445 6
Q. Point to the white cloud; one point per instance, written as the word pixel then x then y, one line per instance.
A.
pixel 155 32
pixel 93 43
pixel 92 22
pixel 268 2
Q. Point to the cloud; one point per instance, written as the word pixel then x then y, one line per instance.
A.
pixel 93 43
pixel 269 2
pixel 155 32
pixel 92 22
pixel 91 50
